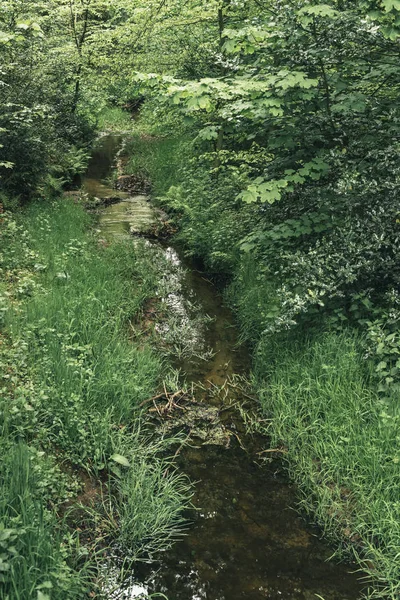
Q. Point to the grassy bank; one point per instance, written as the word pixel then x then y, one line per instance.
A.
pixel 72 384
pixel 341 445
pixel 333 418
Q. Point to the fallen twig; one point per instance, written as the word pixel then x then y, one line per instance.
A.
pixel 282 450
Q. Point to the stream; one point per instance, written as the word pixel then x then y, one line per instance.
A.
pixel 246 540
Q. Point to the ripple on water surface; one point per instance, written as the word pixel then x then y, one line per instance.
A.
pixel 133 215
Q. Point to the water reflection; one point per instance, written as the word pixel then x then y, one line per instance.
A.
pixel 113 590
pixel 133 215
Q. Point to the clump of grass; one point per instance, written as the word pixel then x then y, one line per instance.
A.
pixel 155 158
pixel 150 499
pixel 33 554
pixel 343 447
pixel 114 118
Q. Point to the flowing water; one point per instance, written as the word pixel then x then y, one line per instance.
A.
pixel 246 541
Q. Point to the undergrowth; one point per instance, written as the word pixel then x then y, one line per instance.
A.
pixel 72 383
pixel 114 119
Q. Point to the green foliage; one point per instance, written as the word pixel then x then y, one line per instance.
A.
pixel 383 342
pixel 114 119
pixel 341 443
pixel 150 501
pixel 304 124
pixel 40 140
pixel 33 555
pixel 93 376
pixel 155 159
pixel 290 190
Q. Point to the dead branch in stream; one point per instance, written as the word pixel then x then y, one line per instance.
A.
pixel 165 402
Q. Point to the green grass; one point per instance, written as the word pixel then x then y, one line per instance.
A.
pixel 156 159
pixel 72 382
pixel 114 119
pixel 32 555
pixel 79 315
pixel 343 445
pixel 148 505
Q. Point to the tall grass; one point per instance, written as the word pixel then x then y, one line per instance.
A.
pixel 76 329
pixel 157 159
pixel 33 564
pixel 74 382
pixel 113 118
pixel 342 445
pixel 150 497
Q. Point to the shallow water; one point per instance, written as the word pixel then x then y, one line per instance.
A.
pixel 246 541
pixel 133 214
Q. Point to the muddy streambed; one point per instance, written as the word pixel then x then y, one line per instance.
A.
pixel 246 541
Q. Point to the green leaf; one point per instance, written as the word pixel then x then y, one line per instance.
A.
pixel 176 98
pixel 46 585
pixel 270 196
pixel 204 102
pixel 121 460
pixel 230 46
pixel 390 5
pixel 249 196
pixel 5 37
pixel 318 10
pixel 247 247
pixel 391 33
pixel 5 534
pixel 208 133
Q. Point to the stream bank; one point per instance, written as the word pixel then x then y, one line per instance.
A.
pixel 246 540
pixel 78 470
